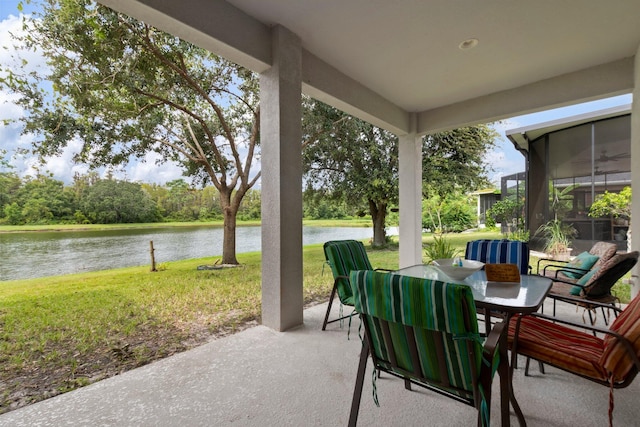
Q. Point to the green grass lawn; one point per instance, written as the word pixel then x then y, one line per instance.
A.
pixel 60 333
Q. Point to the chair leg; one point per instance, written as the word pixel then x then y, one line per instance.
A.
pixel 487 321
pixel 357 391
pixel 514 358
pixel 487 396
pixel 526 368
pixel 326 317
pixel 516 406
pixel 505 387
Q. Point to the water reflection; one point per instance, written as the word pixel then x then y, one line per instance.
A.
pixel 31 255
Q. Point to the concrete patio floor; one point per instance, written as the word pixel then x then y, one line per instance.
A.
pixel 305 377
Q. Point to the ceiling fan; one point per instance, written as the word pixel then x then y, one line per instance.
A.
pixel 603 158
pixel 614 158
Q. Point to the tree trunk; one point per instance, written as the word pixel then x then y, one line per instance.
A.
pixel 229 236
pixel 229 212
pixel 378 216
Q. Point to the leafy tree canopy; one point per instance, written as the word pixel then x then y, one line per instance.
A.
pixel 614 204
pixel 110 202
pixel 124 89
pixel 357 161
pixel 454 160
pixel 352 160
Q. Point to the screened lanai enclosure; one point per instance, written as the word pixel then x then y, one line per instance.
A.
pixel 513 188
pixel 569 163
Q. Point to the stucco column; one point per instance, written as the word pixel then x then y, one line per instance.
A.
pixel 280 136
pixel 635 173
pixel 410 176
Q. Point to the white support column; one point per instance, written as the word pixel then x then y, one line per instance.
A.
pixel 635 173
pixel 410 176
pixel 280 136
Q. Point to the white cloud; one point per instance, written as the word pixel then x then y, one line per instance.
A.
pixel 62 166
pixel 30 59
pixel 503 159
pixel 150 172
pixel 11 137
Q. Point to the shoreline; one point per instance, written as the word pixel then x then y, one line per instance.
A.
pixel 34 228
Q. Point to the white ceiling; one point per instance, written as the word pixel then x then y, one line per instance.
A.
pixel 400 57
pixel 407 51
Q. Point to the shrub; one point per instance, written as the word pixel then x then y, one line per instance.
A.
pixel 440 248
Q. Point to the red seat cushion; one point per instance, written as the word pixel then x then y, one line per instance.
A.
pixel 560 346
pixel 615 357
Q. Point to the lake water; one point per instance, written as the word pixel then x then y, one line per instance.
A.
pixel 31 255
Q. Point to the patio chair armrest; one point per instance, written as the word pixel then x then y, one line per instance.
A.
pixel 498 331
pixel 545 259
pixel 384 269
pixel 336 278
pixel 585 300
pixel 555 319
pixel 568 282
pixel 495 344
pixel 564 268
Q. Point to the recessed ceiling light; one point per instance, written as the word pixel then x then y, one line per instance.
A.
pixel 468 44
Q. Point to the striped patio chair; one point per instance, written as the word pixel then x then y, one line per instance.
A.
pixel 500 252
pixel 344 256
pixel 612 361
pixel 426 333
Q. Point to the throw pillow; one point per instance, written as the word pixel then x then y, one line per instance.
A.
pixel 575 290
pixel 583 261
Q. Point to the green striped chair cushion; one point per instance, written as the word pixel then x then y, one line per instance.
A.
pixel 343 256
pixel 436 312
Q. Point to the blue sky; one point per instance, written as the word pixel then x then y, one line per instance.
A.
pixel 504 159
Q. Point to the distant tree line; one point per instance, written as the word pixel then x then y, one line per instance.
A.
pixel 41 199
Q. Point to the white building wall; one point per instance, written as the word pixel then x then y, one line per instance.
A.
pixel 635 173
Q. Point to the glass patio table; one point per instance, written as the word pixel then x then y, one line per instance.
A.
pixel 509 298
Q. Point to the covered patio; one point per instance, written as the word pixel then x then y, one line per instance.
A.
pixel 412 68
pixel 305 377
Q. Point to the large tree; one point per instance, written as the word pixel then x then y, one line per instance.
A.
pixel 453 164
pixel 43 200
pixel 109 201
pixel 124 89
pixel 455 160
pixel 348 159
